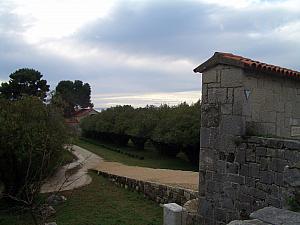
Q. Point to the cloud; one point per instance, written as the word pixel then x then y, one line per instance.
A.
pixel 141 47
pixel 195 29
pixel 156 98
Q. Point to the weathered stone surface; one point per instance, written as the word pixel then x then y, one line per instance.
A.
pixel 276 216
pixel 191 206
pixel 292 176
pixel 211 115
pixel 247 222
pixel 172 214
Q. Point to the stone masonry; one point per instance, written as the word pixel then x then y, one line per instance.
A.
pixel 157 192
pixel 240 173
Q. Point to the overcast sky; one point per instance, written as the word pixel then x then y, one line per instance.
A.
pixel 143 51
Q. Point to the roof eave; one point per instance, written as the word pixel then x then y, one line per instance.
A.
pixel 217 59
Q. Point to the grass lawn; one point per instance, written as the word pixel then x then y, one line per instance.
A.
pixel 152 158
pixel 100 203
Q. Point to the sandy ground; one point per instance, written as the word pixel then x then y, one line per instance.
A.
pixel 185 179
pixel 88 160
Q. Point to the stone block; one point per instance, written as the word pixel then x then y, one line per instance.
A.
pixel 254 170
pixel 213 85
pixel 264 163
pixel 209 76
pixel 230 192
pixel 208 159
pixel 226 109
pixel 243 197
pixel 278 165
pixel 266 177
pixel 230 95
pixel 257 99
pixel 256 193
pixel 232 77
pixel 261 151
pixel 232 125
pixel 208 137
pixel 244 208
pixel 292 176
pixel 172 214
pixel 236 178
pixel 250 182
pixel 240 156
pixel 221 166
pixel 292 156
pixel 210 115
pixel 250 155
pixel 279 179
pixel 227 203
pixel 205 208
pixel 220 215
pixel 276 216
pixel 232 168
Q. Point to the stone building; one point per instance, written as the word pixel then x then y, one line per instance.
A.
pixel 249 144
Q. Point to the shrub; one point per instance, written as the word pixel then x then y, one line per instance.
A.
pixel 32 136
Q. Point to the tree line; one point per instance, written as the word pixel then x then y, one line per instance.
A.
pixel 170 129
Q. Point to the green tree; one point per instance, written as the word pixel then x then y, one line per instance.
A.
pixel 32 138
pixel 24 82
pixel 74 94
pixel 142 125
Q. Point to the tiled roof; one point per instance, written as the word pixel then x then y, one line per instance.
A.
pixel 82 112
pixel 242 62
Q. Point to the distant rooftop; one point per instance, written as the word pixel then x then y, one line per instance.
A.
pixel 83 112
pixel 245 63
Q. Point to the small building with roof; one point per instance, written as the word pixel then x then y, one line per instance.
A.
pixel 78 115
pixel 266 97
pixel 249 137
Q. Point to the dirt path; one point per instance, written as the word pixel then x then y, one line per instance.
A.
pixel 75 174
pixel 88 160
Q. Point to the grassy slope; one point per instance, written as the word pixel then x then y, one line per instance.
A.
pixel 100 203
pixel 152 158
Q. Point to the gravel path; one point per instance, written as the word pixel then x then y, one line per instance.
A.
pixel 87 160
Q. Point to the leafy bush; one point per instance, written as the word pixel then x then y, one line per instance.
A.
pixel 32 136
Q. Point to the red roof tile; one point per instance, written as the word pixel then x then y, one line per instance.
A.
pixel 242 62
pixel 82 112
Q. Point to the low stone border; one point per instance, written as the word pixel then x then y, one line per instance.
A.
pixel 159 193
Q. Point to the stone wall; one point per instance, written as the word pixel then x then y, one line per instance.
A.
pixel 259 173
pixel 273 105
pixel 237 176
pixel 157 192
pixel 262 104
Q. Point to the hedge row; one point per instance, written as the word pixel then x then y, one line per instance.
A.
pixel 170 129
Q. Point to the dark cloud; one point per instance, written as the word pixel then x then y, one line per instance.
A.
pixel 193 30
